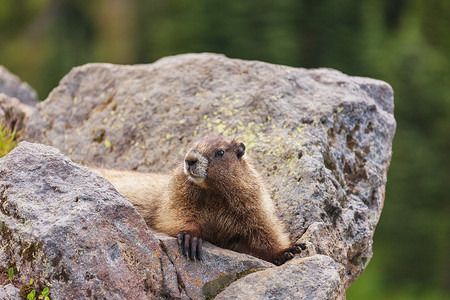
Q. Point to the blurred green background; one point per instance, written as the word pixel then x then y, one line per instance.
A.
pixel 403 42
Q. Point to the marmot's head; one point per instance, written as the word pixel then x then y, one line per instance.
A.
pixel 214 161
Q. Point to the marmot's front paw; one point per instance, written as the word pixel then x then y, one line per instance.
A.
pixel 289 254
pixel 191 246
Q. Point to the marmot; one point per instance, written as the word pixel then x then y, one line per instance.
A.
pixel 216 195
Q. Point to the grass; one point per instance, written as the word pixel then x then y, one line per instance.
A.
pixel 8 139
pixel 372 285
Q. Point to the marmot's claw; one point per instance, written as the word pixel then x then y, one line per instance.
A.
pixel 196 248
pixel 297 248
pixel 180 238
pixel 187 242
pixel 191 246
pixel 199 249
pixel 290 253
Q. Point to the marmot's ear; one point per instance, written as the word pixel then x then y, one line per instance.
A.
pixel 240 149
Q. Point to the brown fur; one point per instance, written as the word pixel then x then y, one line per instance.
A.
pixel 228 206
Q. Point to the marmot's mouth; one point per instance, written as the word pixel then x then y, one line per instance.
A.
pixel 194 177
pixel 195 166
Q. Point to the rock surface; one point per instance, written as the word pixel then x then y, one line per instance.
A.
pixel 322 139
pixel 12 86
pixel 9 292
pixel 14 113
pixel 218 268
pixel 67 228
pixel 316 277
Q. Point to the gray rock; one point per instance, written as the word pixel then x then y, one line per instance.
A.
pixel 12 86
pixel 322 139
pixel 218 267
pixel 9 292
pixel 309 278
pixel 67 228
pixel 14 113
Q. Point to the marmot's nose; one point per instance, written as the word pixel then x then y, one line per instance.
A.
pixel 191 161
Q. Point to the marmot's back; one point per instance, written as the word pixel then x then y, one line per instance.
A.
pixel 144 190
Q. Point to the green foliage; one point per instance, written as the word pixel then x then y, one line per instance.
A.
pixel 402 42
pixel 11 273
pixel 32 294
pixel 45 292
pixel 8 139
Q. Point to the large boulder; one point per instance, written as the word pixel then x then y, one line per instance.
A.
pixel 69 229
pixel 321 139
pixel 12 86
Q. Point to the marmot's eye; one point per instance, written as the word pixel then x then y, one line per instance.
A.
pixel 220 153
